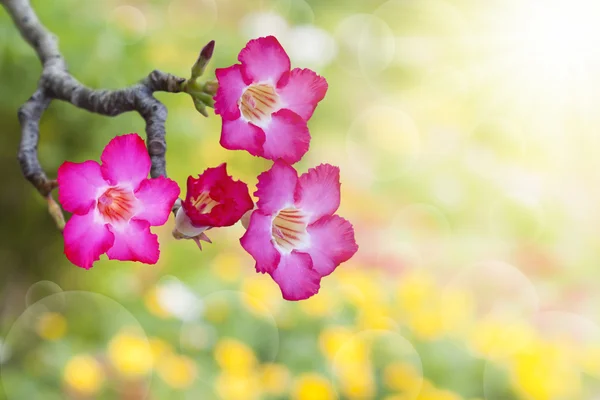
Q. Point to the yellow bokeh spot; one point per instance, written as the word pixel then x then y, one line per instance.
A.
pixel 321 305
pixel 131 354
pixel 545 371
pixel 360 288
pixel 159 349
pixel 426 324
pixel 227 267
pixel 84 374
pixel 51 326
pixel 456 309
pixel 589 359
pixel 275 379
pixel 356 381
pixel 311 386
pixel 416 290
pixel 332 339
pixel 353 352
pixel 261 292
pixel 234 356
pixel 177 371
pixel 402 377
pixel 238 386
pixel 498 337
pixel 153 305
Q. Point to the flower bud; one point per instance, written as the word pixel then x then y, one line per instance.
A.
pixel 185 230
pixel 203 59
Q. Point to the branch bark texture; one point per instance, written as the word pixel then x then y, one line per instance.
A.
pixel 56 83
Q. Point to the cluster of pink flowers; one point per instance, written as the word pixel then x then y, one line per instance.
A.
pixel 293 233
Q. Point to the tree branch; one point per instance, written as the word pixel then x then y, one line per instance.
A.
pixel 56 83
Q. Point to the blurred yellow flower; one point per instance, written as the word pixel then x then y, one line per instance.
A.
pixel 375 316
pixel 402 377
pixel 51 326
pixel 153 305
pixel 497 337
pixel 84 374
pixel 356 381
pixel 416 290
pixel 322 305
pixel 311 386
pixel 589 359
pixel 234 356
pixel 159 349
pixel 456 310
pixel 261 292
pixel 332 338
pixel 427 324
pixel 238 386
pixel 545 371
pixel 177 371
pixel 227 266
pixel 275 379
pixel 131 354
pixel 360 288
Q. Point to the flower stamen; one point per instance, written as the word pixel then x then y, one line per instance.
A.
pixel 258 102
pixel 204 203
pixel 289 229
pixel 117 205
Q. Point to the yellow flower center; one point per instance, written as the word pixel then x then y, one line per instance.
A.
pixel 204 203
pixel 289 229
pixel 258 102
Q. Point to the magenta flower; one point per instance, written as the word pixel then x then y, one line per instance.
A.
pixel 294 234
pixel 264 105
pixel 114 204
pixel 213 199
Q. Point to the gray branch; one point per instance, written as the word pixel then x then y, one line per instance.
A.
pixel 57 83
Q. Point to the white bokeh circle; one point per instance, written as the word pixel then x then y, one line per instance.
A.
pixel 383 142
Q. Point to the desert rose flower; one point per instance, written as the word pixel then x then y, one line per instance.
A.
pixel 264 105
pixel 213 199
pixel 294 234
pixel 114 204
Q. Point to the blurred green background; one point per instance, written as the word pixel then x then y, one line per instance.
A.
pixel 467 137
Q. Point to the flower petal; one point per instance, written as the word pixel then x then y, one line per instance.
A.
pixel 78 184
pixel 302 91
pixel 275 188
pixel 257 241
pixel 242 135
pixel 318 191
pixel 263 59
pixel 157 197
pixel 86 240
pixel 231 87
pixel 286 137
pixel 332 243
pixel 134 242
pixel 295 276
pixel 125 160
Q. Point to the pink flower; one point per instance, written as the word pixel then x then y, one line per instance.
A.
pixel 114 204
pixel 213 199
pixel 264 105
pixel 294 234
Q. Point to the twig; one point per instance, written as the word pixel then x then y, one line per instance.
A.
pixel 56 83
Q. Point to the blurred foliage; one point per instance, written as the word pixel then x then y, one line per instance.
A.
pixel 470 177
